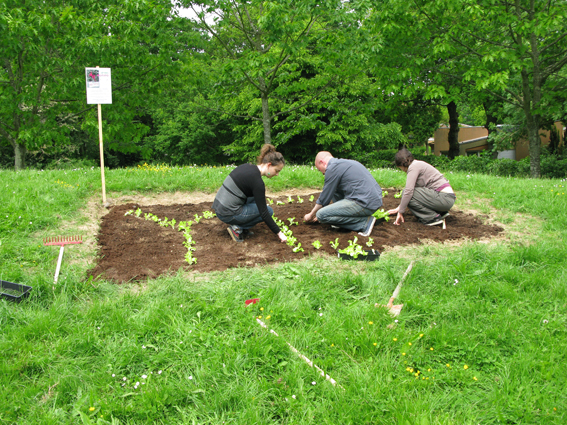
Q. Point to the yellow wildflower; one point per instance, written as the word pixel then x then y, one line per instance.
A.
pixel 465 367
pixel 395 339
pixel 91 409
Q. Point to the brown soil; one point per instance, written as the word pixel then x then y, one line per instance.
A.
pixel 132 248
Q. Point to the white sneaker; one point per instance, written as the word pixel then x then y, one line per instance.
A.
pixel 369 227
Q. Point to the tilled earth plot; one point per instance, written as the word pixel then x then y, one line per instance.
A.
pixel 132 248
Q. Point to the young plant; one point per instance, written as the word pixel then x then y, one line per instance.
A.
pixel 129 212
pixel 172 223
pixel 291 240
pixel 384 193
pixel 353 249
pixel 298 248
pixel 289 199
pixel 138 212
pixel 208 214
pixel 280 203
pixel 369 242
pixel 335 244
pixel 164 222
pixel 398 195
pixel 381 214
pixel 299 199
pixel 311 198
pixel 270 202
pixel 292 222
pixel 198 218
pixel 317 244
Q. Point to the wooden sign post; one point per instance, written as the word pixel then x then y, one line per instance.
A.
pixel 99 91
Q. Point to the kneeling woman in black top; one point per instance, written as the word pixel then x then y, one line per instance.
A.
pixel 241 200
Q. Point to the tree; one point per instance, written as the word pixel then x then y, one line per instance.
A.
pixel 255 48
pixel 517 47
pixel 46 47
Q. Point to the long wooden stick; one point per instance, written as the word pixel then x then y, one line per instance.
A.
pixel 101 153
pixel 399 287
pixel 58 264
pixel 309 362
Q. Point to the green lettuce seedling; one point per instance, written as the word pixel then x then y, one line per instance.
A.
pixel 369 242
pixel 299 199
pixel 311 198
pixel 381 214
pixel 335 244
pixel 353 249
pixel 280 203
pixel 317 244
pixel 208 214
pixel 289 199
pixel 298 248
pixel 270 202
pixel 384 193
pixel 398 195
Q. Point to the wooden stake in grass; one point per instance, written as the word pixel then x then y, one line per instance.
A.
pixel 301 356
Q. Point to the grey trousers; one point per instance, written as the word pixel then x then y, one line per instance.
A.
pixel 425 203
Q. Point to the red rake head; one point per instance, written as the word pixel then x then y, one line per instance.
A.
pixel 63 240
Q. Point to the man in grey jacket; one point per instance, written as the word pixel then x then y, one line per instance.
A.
pixel 355 194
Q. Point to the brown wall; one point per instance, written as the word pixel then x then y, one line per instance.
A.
pixel 522 147
pixel 441 137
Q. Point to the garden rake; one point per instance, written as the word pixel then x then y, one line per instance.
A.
pixel 61 241
pixel 395 310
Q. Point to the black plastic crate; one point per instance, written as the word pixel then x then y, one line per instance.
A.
pixel 14 291
pixel 373 255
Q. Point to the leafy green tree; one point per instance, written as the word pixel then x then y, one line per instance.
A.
pixel 45 48
pixel 257 48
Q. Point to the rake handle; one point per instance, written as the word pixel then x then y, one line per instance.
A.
pixel 399 287
pixel 59 263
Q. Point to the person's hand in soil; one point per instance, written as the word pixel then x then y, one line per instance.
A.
pixel 399 219
pixel 310 218
pixel 283 238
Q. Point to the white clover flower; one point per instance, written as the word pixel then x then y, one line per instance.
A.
pixel 143 347
pixel 144 376
pixel 320 314
pixel 124 379
pixel 313 383
pixel 190 377
pixel 545 321
pixel 293 396
pixel 159 372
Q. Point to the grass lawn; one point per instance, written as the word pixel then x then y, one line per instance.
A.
pixel 482 337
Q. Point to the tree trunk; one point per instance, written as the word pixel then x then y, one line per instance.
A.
pixel 266 119
pixel 490 119
pixel 453 130
pixel 532 120
pixel 20 152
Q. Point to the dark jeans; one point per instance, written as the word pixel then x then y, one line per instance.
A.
pixel 248 217
pixel 346 214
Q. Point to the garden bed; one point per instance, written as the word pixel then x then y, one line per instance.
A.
pixel 132 248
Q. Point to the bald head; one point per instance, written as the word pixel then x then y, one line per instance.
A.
pixel 321 160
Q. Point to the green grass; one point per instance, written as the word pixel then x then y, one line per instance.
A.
pixel 491 311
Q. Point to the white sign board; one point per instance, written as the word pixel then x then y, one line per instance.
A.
pixel 99 86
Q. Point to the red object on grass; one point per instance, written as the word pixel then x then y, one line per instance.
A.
pixel 252 301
